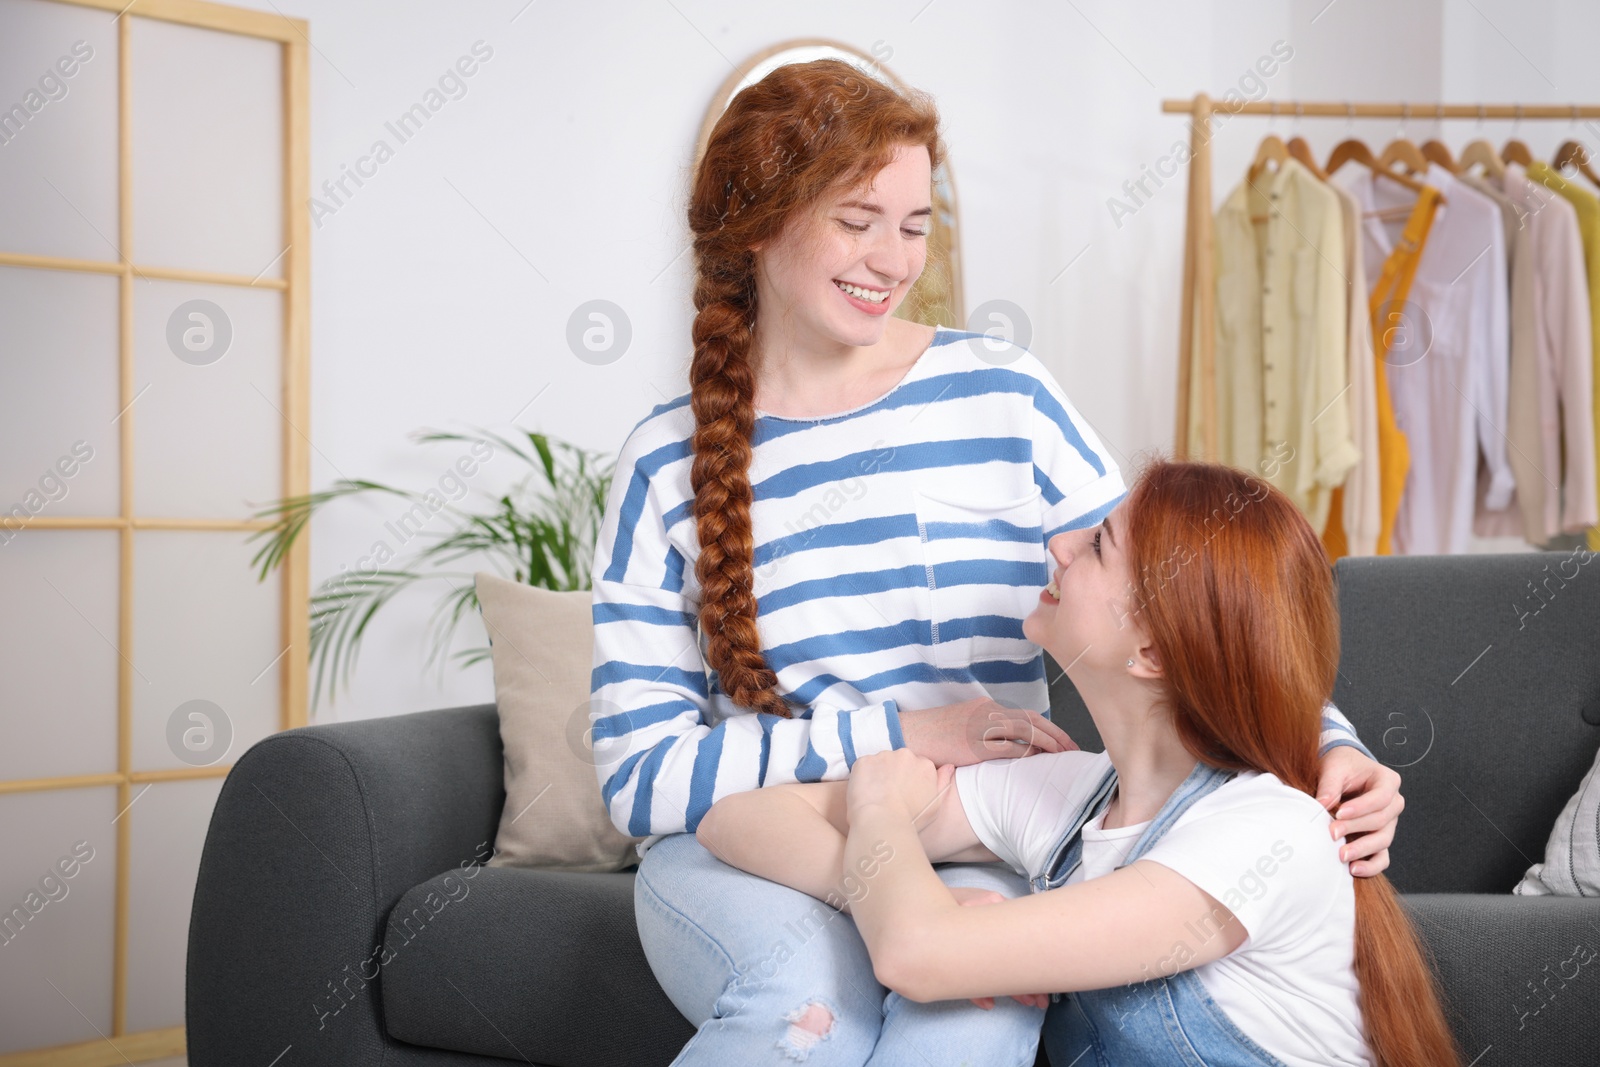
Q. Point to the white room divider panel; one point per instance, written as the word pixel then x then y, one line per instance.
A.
pixel 154 281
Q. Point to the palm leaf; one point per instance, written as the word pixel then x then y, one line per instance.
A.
pixel 541 532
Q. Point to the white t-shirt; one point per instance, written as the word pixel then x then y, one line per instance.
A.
pixel 1258 846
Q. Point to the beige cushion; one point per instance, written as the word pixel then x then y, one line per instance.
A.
pixel 543 649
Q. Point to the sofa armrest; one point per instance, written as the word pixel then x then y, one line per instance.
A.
pixel 317 832
pixel 1520 975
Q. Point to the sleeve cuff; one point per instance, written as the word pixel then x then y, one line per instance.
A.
pixel 1336 464
pixel 1085 506
pixel 1501 486
pixel 875 728
pixel 1332 740
pixel 891 718
pixel 1338 730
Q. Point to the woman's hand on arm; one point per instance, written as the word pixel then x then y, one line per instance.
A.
pixel 934 803
pixel 980 729
pixel 1370 808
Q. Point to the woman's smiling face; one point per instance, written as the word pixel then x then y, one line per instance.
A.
pixel 875 237
pixel 1091 624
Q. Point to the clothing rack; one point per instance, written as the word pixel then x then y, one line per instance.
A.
pixel 1198 240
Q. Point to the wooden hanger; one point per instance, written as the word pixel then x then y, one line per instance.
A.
pixel 1406 154
pixel 1516 152
pixel 1300 151
pixel 1481 151
pixel 1435 151
pixel 1574 153
pixel 1402 151
pixel 1355 151
pixel 1346 151
pixel 1271 150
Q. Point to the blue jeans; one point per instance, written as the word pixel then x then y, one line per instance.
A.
pixel 772 975
pixel 1162 1020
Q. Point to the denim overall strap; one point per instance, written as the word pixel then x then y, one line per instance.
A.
pixel 1164 1019
pixel 1069 853
pixel 1066 856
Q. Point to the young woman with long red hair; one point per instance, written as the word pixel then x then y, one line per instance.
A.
pixel 825 548
pixel 1187 894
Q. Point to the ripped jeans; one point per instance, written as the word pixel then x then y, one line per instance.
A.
pixel 771 975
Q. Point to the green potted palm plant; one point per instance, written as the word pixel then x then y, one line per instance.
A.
pixel 542 531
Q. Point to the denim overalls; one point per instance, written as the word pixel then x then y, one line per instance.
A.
pixel 1163 1020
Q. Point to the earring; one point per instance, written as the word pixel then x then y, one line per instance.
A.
pixel 1130 663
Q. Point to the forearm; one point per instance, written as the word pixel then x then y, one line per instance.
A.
pixel 899 896
pixel 778 835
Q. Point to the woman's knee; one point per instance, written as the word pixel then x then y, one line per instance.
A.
pixel 688 965
pixel 719 939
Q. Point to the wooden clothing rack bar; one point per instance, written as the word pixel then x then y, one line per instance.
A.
pixel 1199 317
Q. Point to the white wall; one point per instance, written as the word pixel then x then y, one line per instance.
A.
pixel 442 287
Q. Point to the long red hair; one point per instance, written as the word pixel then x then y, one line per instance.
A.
pixel 1237 594
pixel 802 132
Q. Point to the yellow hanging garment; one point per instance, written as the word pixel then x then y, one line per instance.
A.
pixel 1387 308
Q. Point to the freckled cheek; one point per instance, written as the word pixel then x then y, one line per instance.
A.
pixel 1071 599
pixel 1088 606
pixel 1066 629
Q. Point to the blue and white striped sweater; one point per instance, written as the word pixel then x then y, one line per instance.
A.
pixel 898 546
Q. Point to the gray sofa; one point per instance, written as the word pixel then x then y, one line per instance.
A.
pixel 334 919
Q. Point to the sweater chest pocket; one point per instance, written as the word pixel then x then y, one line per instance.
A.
pixel 984 564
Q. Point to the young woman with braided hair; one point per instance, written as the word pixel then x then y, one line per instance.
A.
pixel 825 549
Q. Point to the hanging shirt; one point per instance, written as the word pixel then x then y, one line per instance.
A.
pixel 1282 343
pixel 1385 307
pixel 1507 522
pixel 1587 206
pixel 1552 357
pixel 1448 372
pixel 1355 514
